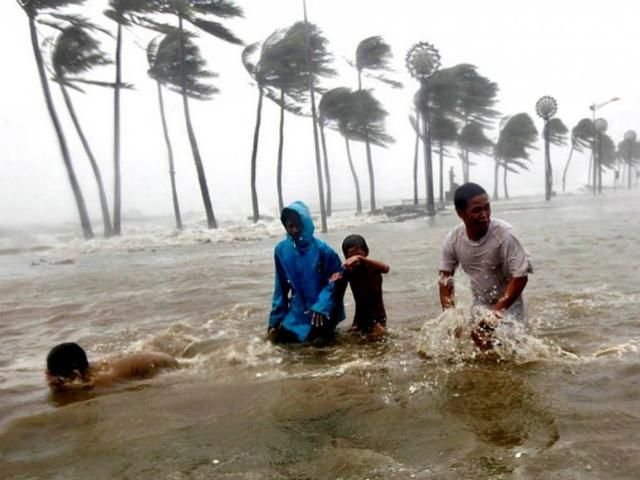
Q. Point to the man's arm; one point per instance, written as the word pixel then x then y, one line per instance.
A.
pixel 513 291
pixel 447 290
pixel 358 259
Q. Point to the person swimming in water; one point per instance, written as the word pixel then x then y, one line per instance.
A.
pixel 68 367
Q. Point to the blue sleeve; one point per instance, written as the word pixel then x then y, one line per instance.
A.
pixel 280 300
pixel 327 299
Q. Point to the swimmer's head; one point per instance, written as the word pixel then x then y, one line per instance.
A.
pixel 66 362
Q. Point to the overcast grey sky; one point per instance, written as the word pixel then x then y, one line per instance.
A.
pixel 578 51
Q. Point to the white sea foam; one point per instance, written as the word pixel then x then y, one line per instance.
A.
pixel 145 234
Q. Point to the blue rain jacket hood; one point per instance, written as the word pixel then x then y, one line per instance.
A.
pixel 303 268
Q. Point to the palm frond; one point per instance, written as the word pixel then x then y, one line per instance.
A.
pixel 216 29
pixel 373 53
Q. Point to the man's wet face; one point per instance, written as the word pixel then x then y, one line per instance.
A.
pixel 293 228
pixel 477 215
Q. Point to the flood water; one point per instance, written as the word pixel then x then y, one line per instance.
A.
pixel 561 402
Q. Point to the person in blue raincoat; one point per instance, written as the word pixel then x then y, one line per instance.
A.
pixel 304 307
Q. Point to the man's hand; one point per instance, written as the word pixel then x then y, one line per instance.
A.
pixel 317 319
pixel 483 332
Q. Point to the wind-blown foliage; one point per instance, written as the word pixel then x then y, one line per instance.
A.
pixel 373 54
pixel 285 56
pixel 478 96
pixel 556 131
pixel 42 11
pixel 517 136
pixel 201 14
pixel 336 108
pixel 76 52
pixel 157 71
pixel 581 138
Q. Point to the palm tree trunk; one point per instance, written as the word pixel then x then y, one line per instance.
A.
pixel 104 205
pixel 504 183
pixel 355 178
pixel 254 157
pixel 367 143
pixel 372 180
pixel 415 159
pixel 441 173
pixel 495 179
pixel 566 168
pixel 428 166
pixel 466 166
pixel 280 149
pixel 202 179
pixel 590 167
pixel 547 162
pixel 117 188
pixel 172 172
pixel 314 118
pixel 66 158
pixel 326 169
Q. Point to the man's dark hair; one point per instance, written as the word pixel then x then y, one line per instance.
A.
pixel 66 360
pixel 466 192
pixel 291 215
pixel 354 240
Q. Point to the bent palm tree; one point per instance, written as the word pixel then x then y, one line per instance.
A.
pixel 197 13
pixel 120 11
pixel 156 72
pixel 373 54
pixel 517 136
pixel 478 95
pixel 581 138
pixel 557 136
pixel 75 52
pixel 335 110
pixel 182 68
pixel 34 9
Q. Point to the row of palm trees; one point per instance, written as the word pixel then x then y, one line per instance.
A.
pixel 287 68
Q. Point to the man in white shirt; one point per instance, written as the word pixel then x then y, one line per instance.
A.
pixel 490 253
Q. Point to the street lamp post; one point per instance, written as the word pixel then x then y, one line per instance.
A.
pixel 596 166
pixel 600 125
pixel 630 139
pixel 546 108
pixel 422 61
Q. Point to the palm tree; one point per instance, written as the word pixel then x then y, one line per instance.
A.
pixel 366 122
pixel 75 52
pixel 262 72
pixel 629 152
pixel 373 54
pixel 557 135
pixel 444 131
pixel 180 65
pixel 517 136
pixel 472 139
pixel 158 72
pixel 414 120
pixel 199 14
pixel 335 110
pixel 291 78
pixel 607 156
pixel 581 138
pixel 478 95
pixel 121 12
pixel 35 9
